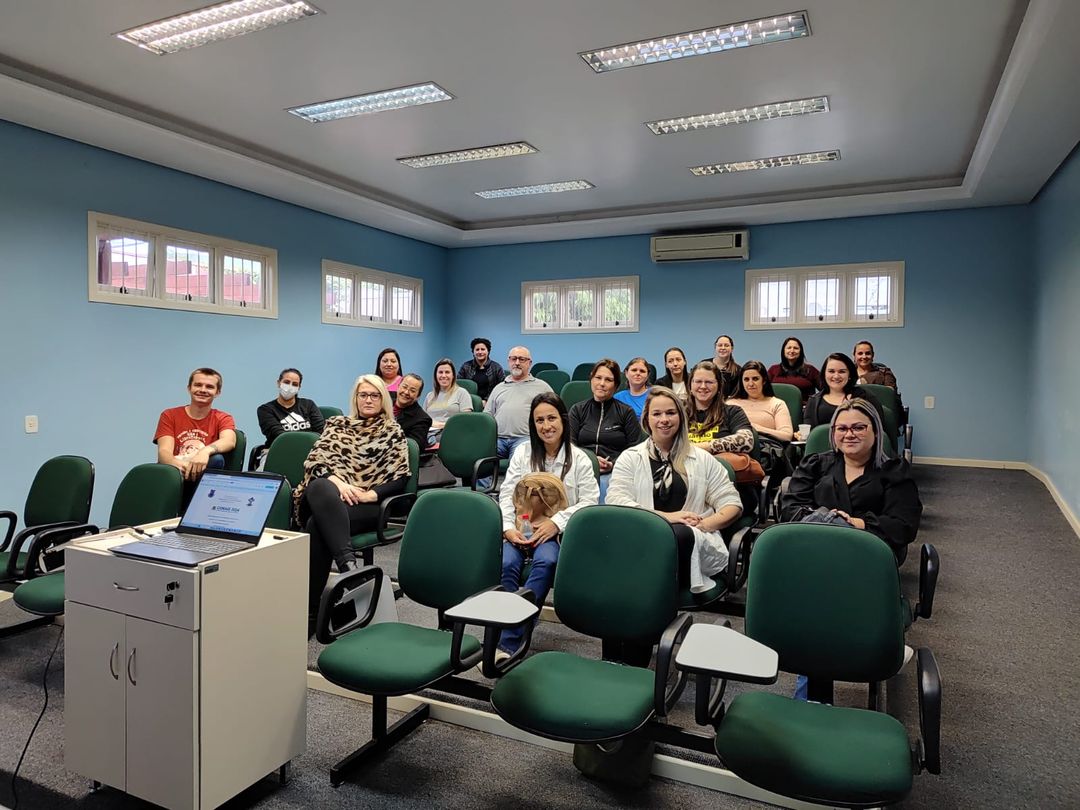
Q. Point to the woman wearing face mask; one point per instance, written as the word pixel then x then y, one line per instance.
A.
pixel 676 377
pixel 602 424
pixel 637 378
pixel 288 412
pixel 388 367
pixel 445 398
pixel 838 376
pixel 794 370
pixel 725 364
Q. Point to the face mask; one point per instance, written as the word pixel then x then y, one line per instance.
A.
pixel 288 391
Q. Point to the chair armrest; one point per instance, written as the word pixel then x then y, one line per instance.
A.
pixel 478 466
pixel 716 651
pixel 664 697
pixel 46 542
pixel 929 711
pixel 929 565
pixel 738 558
pixel 494 610
pixel 385 516
pixel 24 538
pixel 12 520
pixel 763 500
pixel 338 592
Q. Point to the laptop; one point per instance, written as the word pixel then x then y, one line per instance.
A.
pixel 227 513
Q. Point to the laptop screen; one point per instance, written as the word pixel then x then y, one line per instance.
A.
pixel 237 504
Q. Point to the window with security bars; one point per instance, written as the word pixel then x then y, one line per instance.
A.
pixel 139 263
pixel 844 295
pixel 360 296
pixel 580 305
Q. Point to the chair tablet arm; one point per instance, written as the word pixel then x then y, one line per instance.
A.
pixel 12 520
pixel 929 566
pixel 929 751
pixel 663 696
pixel 478 466
pixel 23 538
pixel 339 592
pixel 46 541
pixel 385 516
pixel 716 651
pixel 494 610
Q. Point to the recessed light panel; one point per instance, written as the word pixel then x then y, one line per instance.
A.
pixel 465 155
pixel 762 112
pixel 805 159
pixel 380 101
pixel 215 23
pixel 543 188
pixel 699 43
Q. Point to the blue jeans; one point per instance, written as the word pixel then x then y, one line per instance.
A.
pixel 541 576
pixel 605 479
pixel 802 687
pixel 503 449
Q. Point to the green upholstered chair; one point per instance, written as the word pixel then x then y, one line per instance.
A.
pixel 329 410
pixel 477 403
pixel 582 371
pixel 281 511
pixel 817 441
pixel 538 367
pixel 234 459
pixel 792 398
pixel 392 513
pixel 148 493
pixel 468 385
pixel 451 549
pixel 59 495
pixel 896 425
pixel 575 391
pixel 468 447
pixel 556 378
pixel 826 600
pixel 288 453
pixel 595 463
pixel 616 580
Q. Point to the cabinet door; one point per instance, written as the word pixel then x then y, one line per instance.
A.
pixel 94 712
pixel 162 731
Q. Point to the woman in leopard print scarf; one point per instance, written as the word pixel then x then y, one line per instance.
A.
pixel 360 460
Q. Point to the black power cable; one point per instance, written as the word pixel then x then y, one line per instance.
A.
pixel 45 687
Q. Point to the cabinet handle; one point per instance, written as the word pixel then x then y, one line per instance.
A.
pixel 130 667
pixel 112 661
pixel 120 587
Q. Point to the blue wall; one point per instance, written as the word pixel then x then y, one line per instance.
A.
pixel 98 375
pixel 964 310
pixel 1056 392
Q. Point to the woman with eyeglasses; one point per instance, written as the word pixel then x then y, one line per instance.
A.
pixel 714 425
pixel 858 481
pixel 359 461
pixel 838 385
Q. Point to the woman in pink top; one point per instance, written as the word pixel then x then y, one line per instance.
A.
pixel 388 367
pixel 767 413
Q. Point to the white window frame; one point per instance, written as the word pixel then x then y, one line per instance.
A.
pixel 158 237
pixel 563 288
pixel 389 282
pixel 846 316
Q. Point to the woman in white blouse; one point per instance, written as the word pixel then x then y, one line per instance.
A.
pixel 548 450
pixel 445 398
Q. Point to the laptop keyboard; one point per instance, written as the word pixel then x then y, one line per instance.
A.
pixel 190 542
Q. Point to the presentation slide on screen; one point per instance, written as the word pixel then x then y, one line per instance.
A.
pixel 235 505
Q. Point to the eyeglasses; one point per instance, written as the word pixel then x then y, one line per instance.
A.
pixel 519 358
pixel 706 383
pixel 858 429
pixel 368 395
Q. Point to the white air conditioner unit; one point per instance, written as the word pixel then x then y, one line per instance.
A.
pixel 699 247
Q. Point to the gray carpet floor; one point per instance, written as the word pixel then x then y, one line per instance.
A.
pixel 1003 631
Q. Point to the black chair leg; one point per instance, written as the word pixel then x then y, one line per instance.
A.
pixel 383 737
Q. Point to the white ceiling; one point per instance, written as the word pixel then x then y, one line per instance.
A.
pixel 934 104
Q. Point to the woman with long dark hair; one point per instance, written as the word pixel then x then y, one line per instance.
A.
pixel 838 385
pixel 388 368
pixel 724 360
pixel 794 370
pixel 602 424
pixel 677 377
pixel 445 398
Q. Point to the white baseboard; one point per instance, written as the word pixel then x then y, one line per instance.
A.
pixel 1030 469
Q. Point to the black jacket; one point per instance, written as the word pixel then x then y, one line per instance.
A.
pixel 605 428
pixel 819 412
pixel 275 420
pixel 415 423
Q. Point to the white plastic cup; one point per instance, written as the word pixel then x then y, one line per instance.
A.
pixel 804 431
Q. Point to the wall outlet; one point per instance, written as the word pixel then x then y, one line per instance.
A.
pixel 928 403
pixel 31 424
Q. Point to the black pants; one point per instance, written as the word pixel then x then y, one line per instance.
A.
pixel 331 525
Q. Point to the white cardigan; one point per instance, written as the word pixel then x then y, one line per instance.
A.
pixel 581 487
pixel 708 491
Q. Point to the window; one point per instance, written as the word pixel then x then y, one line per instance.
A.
pixel 148 265
pixel 841 295
pixel 589 305
pixel 358 296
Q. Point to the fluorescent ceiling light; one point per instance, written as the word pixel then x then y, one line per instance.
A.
pixel 465 155
pixel 543 188
pixel 762 112
pixel 214 23
pixel 804 159
pixel 698 43
pixel 380 101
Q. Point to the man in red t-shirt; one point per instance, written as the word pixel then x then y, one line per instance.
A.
pixel 194 437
